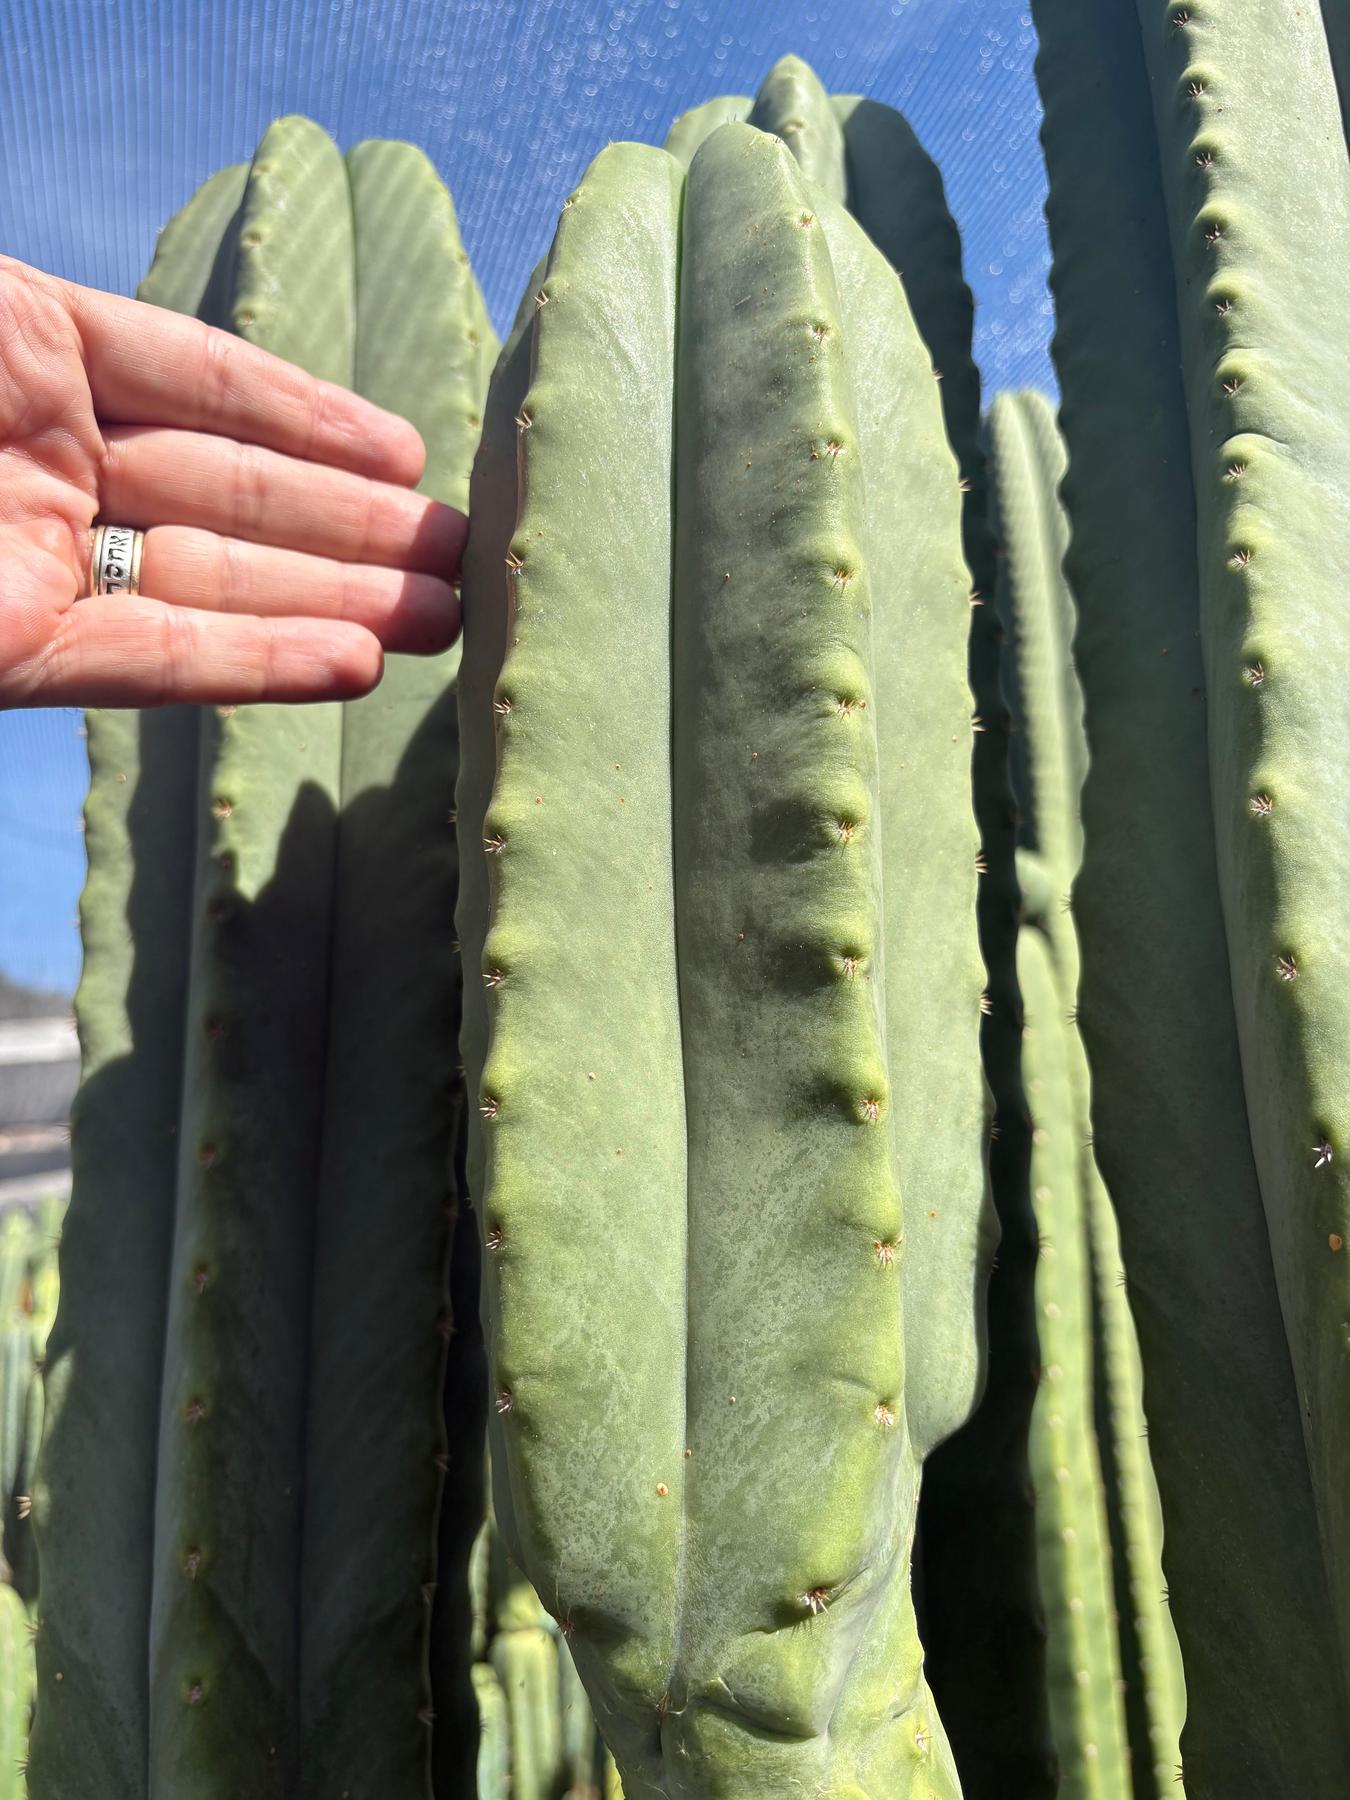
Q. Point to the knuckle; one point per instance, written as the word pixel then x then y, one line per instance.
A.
pixel 217 376
pixel 250 489
pixel 234 580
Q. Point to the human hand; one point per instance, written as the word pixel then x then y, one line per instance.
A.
pixel 283 551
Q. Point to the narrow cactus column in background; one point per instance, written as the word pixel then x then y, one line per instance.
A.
pixel 1073 1551
pixel 793 105
pixel 1088 1352
pixel 16 1693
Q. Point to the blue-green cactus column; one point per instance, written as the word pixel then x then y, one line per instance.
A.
pixel 1240 1547
pixel 1259 244
pixel 685 1151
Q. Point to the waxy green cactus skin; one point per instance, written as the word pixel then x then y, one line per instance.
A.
pixel 1259 245
pixel 632 196
pixel 1246 1582
pixel 895 191
pixel 799 1609
pixel 692 127
pixel 1028 466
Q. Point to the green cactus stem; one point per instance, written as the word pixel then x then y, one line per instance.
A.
pixel 1258 243
pixel 1169 1117
pixel 770 1563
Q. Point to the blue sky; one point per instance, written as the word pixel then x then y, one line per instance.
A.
pixel 112 111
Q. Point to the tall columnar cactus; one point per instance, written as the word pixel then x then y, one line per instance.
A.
pixel 701 884
pixel 982 1633
pixel 983 1637
pixel 243 1384
pixel 1088 1351
pixel 1261 310
pixel 1197 313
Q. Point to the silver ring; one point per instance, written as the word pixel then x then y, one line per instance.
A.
pixel 115 562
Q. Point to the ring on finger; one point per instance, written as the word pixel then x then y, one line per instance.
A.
pixel 115 560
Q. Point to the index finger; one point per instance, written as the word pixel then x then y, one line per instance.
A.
pixel 149 366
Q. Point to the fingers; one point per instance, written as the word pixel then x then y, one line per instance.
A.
pixel 148 366
pixel 406 611
pixel 140 652
pixel 156 476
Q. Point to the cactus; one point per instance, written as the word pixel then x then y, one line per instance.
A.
pixel 1250 1597
pixel 1073 1557
pixel 730 1551
pixel 16 1693
pixel 1268 401
pixel 30 1285
pixel 739 907
pixel 538 1736
pixel 978 1601
pixel 275 1244
pixel 1088 1350
pixel 16 1351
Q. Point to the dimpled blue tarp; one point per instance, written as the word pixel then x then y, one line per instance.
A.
pixel 112 111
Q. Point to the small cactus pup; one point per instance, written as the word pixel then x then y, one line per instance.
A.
pixel 690 1193
pixel 245 1445
pixel 1140 325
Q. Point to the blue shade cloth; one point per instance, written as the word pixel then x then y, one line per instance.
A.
pixel 112 112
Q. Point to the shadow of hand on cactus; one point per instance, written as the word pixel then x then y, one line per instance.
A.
pixel 331 1213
